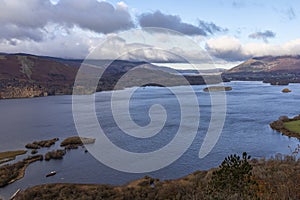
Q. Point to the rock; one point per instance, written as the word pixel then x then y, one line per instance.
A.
pixel 286 90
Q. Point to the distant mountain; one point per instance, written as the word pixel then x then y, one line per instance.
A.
pixel 271 69
pixel 25 75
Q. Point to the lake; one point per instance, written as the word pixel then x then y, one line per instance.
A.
pixel 251 106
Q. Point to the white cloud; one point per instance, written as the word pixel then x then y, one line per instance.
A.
pixel 122 5
pixel 225 47
pixel 231 49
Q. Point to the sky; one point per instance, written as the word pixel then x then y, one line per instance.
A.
pixel 229 31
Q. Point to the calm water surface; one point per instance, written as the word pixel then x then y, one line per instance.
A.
pixel 251 106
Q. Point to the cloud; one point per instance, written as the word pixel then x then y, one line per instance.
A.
pixel 73 45
pixel 10 32
pixel 290 13
pixel 116 47
pixel 231 49
pixel 226 47
pixel 93 15
pixel 238 4
pixel 210 27
pixel 26 17
pixel 262 35
pixel 173 22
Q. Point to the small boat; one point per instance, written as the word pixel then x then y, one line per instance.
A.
pixel 15 194
pixel 51 174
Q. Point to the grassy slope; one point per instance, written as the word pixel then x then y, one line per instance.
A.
pixel 293 126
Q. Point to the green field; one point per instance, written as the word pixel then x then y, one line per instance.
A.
pixel 293 126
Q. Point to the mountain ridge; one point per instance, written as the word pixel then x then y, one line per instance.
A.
pixel 277 70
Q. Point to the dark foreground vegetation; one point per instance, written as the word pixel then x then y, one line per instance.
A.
pixel 237 177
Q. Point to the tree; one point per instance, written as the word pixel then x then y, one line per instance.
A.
pixel 233 179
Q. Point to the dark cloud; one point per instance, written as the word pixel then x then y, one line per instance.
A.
pixel 100 17
pixel 10 32
pixel 210 27
pixel 262 35
pixel 230 55
pixel 29 16
pixel 174 22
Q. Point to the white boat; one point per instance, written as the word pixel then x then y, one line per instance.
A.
pixel 51 174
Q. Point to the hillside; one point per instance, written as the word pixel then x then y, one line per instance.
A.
pixel 29 76
pixel 23 75
pixel 271 69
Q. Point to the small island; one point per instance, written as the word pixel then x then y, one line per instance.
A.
pixel 286 90
pixel 75 141
pixel 287 126
pixel 217 88
pixel 55 154
pixel 41 144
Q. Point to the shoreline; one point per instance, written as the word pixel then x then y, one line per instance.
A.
pixel 23 169
pixel 70 94
pixel 279 126
pixel 10 173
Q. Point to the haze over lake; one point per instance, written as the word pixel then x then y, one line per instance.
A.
pixel 251 106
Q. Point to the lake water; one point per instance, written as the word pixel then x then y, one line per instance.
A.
pixel 251 106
